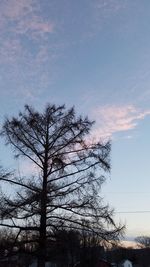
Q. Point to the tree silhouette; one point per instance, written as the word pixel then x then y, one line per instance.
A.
pixel 66 191
pixel 143 241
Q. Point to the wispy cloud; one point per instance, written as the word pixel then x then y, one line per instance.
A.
pixel 103 11
pixel 10 51
pixel 24 16
pixel 110 5
pixel 19 21
pixel 14 9
pixel 34 26
pixel 113 119
pixel 25 52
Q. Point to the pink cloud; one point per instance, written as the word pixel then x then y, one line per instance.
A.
pixel 26 16
pixel 129 244
pixel 14 9
pixel 41 26
pixel 20 18
pixel 35 25
pixel 113 119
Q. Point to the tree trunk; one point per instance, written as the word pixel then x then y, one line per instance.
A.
pixel 42 238
pixel 42 248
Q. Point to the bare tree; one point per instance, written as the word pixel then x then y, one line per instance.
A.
pixel 143 241
pixel 66 192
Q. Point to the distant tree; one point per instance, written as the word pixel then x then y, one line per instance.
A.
pixel 7 238
pixel 66 248
pixel 91 249
pixel 143 241
pixel 66 191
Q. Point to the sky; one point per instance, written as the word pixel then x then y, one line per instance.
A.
pixel 95 55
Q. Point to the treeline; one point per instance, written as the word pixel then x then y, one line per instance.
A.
pixel 66 248
pixel 138 257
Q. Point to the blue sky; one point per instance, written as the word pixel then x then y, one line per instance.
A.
pixel 94 54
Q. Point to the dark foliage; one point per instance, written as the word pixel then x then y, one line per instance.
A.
pixel 138 257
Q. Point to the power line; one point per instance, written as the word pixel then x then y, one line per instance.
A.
pixel 127 192
pixel 136 211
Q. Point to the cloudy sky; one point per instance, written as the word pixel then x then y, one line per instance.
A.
pixel 94 54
